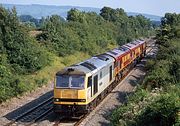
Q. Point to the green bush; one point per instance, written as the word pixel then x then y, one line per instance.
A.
pixel 150 64
pixel 40 82
pixel 126 114
pixel 159 77
pixel 148 109
pixel 162 112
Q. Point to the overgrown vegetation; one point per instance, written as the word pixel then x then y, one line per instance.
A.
pixel 28 62
pixel 19 54
pixel 92 33
pixel 156 101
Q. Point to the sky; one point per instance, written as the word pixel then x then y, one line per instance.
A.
pixel 156 7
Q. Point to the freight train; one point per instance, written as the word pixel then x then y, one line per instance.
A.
pixel 79 87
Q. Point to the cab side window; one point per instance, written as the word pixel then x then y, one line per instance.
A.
pixel 100 75
pixel 90 81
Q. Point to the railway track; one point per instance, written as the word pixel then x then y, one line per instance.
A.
pixel 34 114
pixel 70 121
pixel 63 121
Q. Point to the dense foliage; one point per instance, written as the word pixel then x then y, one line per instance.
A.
pixel 23 57
pixel 90 32
pixel 19 54
pixel 156 102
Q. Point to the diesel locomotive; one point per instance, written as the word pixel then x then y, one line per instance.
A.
pixel 79 87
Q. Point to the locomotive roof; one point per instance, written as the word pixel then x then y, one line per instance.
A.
pixel 88 66
pixel 141 41
pixel 70 71
pixel 118 51
pixel 132 45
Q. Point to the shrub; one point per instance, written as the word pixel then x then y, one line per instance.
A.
pixel 159 76
pixel 126 114
pixel 150 64
pixel 162 112
pixel 175 68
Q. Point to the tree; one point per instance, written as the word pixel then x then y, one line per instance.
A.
pixel 108 13
pixel 22 52
pixel 75 15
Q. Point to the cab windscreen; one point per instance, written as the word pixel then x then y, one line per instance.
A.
pixel 70 81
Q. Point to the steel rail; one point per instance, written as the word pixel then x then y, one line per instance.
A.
pixel 29 111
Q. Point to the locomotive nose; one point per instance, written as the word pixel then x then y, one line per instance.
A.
pixel 69 96
pixel 69 100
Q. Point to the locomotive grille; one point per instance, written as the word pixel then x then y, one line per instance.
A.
pixel 73 94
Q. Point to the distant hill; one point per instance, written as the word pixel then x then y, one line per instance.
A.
pixel 39 11
pixel 150 16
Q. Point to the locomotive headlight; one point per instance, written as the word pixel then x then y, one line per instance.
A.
pixel 83 100
pixel 56 99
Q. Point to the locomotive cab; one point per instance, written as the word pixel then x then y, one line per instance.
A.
pixel 69 91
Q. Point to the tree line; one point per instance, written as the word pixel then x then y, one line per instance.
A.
pixel 91 32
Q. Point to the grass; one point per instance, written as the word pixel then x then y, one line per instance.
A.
pixel 47 74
